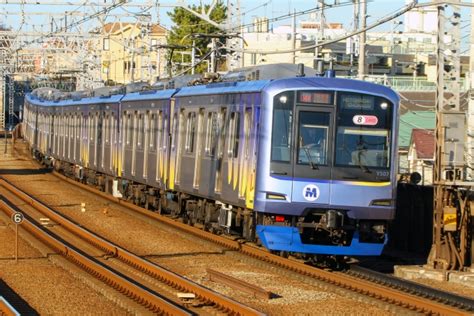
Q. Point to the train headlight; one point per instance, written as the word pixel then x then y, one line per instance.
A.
pixel 283 99
pixel 384 105
pixel 382 202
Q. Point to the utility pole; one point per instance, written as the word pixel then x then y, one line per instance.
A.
pixel 233 25
pixel 319 65
pixel 362 39
pixel 293 37
pixel 322 19
pixel 452 216
pixel 470 134
pixel 11 101
pixel 470 112
pixel 354 46
pixel 214 55
pixel 193 56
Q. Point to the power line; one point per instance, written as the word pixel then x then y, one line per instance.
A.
pixel 402 11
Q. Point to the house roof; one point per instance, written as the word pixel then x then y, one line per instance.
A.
pixel 414 120
pixel 424 143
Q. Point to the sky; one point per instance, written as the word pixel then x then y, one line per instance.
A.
pixel 276 8
pixel 249 8
pixel 339 14
pixel 376 9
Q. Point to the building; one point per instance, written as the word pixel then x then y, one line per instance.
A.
pixel 421 154
pixel 286 37
pixel 420 120
pixel 131 52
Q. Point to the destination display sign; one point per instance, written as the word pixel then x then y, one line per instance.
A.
pixel 357 102
pixel 319 97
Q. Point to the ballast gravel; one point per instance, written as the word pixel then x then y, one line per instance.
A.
pixel 47 288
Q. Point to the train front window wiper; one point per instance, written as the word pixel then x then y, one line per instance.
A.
pixel 312 164
pixel 362 166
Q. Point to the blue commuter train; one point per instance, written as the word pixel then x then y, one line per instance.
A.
pixel 304 165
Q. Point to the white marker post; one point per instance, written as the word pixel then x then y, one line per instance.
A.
pixel 17 219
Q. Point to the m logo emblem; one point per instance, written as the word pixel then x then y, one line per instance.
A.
pixel 311 192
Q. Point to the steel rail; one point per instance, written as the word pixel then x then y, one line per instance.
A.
pixel 6 308
pixel 124 286
pixel 465 303
pixel 171 279
pixel 384 293
pixel 232 282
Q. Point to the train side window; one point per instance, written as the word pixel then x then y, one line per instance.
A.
pixel 146 142
pixel 211 134
pixel 152 130
pixel 134 130
pixel 140 131
pixel 66 129
pixel 175 129
pixel 124 128
pixel 73 128
pixel 113 140
pixel 95 126
pixel 247 129
pixel 71 135
pixel 234 136
pixel 134 142
pixel 91 128
pixel 110 128
pixel 222 127
pixel 64 134
pixel 159 131
pixel 190 132
pixel 129 129
pixel 106 129
pixel 164 144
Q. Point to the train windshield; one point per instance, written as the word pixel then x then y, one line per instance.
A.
pixel 282 125
pixel 363 131
pixel 313 138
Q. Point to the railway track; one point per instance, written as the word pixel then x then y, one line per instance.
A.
pixel 13 304
pixel 206 301
pixel 400 296
pixel 6 308
pixel 417 289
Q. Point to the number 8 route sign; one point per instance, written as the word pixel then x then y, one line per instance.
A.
pixel 17 218
pixel 370 120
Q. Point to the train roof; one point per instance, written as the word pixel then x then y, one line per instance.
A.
pixel 340 84
pixel 297 83
pixel 67 102
pixel 223 88
pixel 300 83
pixel 149 95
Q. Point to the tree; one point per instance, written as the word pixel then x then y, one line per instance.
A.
pixel 186 24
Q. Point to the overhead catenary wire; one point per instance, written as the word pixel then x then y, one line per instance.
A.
pixel 398 13
pixel 78 22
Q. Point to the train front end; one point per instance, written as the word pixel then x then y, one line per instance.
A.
pixel 326 174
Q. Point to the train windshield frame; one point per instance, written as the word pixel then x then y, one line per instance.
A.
pixel 332 135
